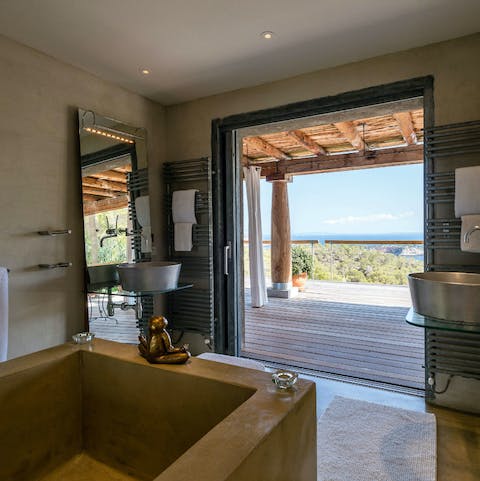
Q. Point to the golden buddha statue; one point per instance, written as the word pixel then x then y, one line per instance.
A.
pixel 157 348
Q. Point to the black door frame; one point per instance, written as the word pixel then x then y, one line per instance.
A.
pixel 226 193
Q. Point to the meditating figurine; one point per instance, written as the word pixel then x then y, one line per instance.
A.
pixel 157 348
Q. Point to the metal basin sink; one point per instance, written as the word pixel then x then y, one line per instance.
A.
pixel 452 296
pixel 104 275
pixel 149 276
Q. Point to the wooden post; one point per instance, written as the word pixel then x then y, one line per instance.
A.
pixel 281 248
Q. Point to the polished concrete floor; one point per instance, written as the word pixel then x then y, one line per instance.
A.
pixel 458 434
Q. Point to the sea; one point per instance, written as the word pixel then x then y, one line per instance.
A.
pixel 321 237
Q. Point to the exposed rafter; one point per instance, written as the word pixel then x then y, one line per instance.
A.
pixel 105 205
pixel 350 132
pixel 306 141
pixel 269 149
pixel 110 175
pixel 99 192
pixel 404 120
pixel 104 184
pixel 332 163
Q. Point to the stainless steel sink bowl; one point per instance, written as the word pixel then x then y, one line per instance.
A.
pixel 105 275
pixel 452 296
pixel 149 276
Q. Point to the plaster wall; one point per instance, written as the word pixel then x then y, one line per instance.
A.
pixel 40 186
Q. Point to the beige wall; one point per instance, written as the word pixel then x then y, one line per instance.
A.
pixel 454 64
pixel 39 185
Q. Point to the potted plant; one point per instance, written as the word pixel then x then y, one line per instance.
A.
pixel 302 265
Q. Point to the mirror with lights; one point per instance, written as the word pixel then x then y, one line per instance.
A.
pixel 112 154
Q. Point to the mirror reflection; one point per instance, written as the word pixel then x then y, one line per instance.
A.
pixel 111 153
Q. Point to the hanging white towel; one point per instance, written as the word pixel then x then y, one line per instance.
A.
pixel 183 206
pixel 467 191
pixel 470 222
pixel 183 214
pixel 142 209
pixel 183 236
pixel 3 314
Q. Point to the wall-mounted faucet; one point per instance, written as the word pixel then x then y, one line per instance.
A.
pixel 113 231
pixel 466 237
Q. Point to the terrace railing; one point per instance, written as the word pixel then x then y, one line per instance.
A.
pixel 313 246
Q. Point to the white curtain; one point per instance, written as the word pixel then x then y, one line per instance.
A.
pixel 258 287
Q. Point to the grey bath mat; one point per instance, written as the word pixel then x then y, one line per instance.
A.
pixel 362 441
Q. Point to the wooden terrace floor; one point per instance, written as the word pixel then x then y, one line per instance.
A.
pixel 354 330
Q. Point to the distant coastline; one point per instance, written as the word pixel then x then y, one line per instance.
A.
pixel 322 236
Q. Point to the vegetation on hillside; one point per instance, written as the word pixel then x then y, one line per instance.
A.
pixel 355 263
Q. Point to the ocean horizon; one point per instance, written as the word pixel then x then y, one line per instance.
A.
pixel 323 236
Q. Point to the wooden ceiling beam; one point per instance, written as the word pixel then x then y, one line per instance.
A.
pixel 99 192
pixel 269 149
pixel 350 132
pixel 337 163
pixel 405 124
pixel 110 175
pixel 306 141
pixel 104 184
pixel 105 205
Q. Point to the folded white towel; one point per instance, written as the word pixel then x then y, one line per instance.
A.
pixel 183 236
pixel 469 222
pixel 467 191
pixel 3 314
pixel 183 206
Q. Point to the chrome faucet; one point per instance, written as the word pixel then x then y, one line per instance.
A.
pixel 466 237
pixel 112 231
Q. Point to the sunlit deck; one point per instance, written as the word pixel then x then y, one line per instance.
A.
pixel 354 330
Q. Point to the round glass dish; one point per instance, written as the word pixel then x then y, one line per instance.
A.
pixel 83 337
pixel 284 379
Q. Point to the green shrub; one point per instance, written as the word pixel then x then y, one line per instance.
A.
pixel 301 261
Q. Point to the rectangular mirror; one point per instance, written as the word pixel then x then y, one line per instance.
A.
pixel 112 154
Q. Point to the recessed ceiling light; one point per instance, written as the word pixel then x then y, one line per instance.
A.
pixel 145 71
pixel 268 35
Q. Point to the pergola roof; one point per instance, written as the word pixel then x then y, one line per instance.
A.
pixel 104 191
pixel 364 142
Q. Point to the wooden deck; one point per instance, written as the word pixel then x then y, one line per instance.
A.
pixel 354 330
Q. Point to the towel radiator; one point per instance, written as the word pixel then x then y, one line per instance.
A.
pixel 192 309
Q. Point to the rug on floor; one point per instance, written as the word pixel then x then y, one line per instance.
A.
pixel 363 441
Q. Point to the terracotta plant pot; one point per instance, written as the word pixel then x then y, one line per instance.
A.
pixel 299 280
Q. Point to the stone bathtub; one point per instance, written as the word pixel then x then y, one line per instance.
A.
pixel 101 413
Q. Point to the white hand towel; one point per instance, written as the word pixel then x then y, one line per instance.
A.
pixel 183 206
pixel 183 236
pixel 3 314
pixel 467 191
pixel 473 244
pixel 142 209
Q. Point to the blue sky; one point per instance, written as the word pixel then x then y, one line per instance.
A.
pixel 382 200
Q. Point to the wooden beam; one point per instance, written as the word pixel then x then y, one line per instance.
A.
pixel 99 192
pixel 404 121
pixel 90 198
pixel 306 141
pixel 105 205
pixel 124 169
pixel 337 163
pixel 110 175
pixel 104 184
pixel 350 132
pixel 269 149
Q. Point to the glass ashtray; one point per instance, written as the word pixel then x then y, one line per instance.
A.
pixel 284 379
pixel 83 337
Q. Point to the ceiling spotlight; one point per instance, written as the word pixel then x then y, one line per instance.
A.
pixel 145 71
pixel 268 35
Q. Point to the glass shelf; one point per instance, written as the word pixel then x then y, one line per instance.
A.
pixel 109 290
pixel 418 320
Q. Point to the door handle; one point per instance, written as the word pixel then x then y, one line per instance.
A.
pixel 226 257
